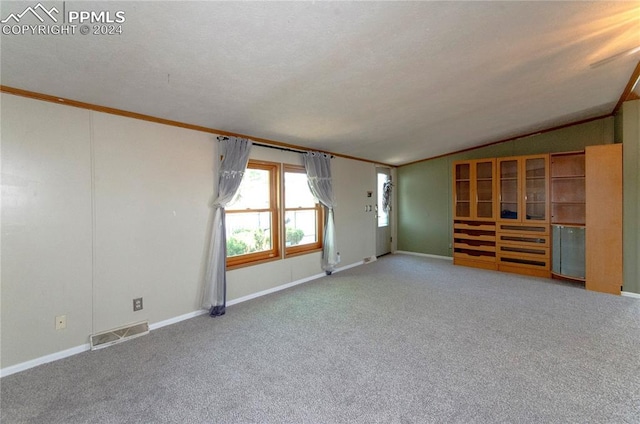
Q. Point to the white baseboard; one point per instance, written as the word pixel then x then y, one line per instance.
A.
pixel 426 255
pixel 23 366
pixel 44 360
pixel 353 265
pixel 174 320
pixel 630 294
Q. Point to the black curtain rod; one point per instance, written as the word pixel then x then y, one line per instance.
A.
pixel 269 146
pixel 285 149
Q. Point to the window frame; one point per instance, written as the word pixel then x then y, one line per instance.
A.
pixel 274 208
pixel 319 209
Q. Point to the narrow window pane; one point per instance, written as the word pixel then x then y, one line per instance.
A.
pixel 297 192
pixel 383 216
pixel 248 232
pixel 253 192
pixel 300 227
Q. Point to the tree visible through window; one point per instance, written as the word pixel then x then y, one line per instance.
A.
pixel 252 217
pixel 261 221
pixel 302 214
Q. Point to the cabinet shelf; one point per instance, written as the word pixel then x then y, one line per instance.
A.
pixel 568 188
pixel 474 190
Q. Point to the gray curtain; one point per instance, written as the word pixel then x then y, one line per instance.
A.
pixel 235 155
pixel 318 167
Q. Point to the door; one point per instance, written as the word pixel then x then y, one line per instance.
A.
pixel 383 211
pixel 603 166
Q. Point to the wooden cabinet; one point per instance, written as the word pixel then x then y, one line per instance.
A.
pixel 522 233
pixel 504 207
pixel 568 188
pixel 568 212
pixel 523 248
pixel 474 244
pixel 523 189
pixel 604 218
pixel 474 211
pixel 474 190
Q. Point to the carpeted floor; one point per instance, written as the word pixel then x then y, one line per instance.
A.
pixel 401 340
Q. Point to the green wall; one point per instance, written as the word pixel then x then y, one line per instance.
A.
pixel 631 195
pixel 424 188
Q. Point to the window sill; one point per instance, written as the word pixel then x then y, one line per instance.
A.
pixel 302 252
pixel 277 258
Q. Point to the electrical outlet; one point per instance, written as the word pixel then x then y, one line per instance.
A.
pixel 61 322
pixel 137 304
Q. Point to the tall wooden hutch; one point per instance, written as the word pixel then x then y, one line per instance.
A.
pixel 504 210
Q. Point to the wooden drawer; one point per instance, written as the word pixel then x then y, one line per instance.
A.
pixel 532 229
pixel 492 265
pixel 524 269
pixel 470 225
pixel 534 252
pixel 524 249
pixel 472 245
pixel 475 255
pixel 524 260
pixel 526 254
pixel 523 239
pixel 474 236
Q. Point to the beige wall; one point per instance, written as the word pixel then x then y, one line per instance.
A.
pixel 99 209
pixel 46 228
pixel 151 187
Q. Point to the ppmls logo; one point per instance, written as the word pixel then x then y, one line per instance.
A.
pixel 40 20
pixel 33 11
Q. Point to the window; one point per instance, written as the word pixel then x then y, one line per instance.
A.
pixel 303 217
pixel 252 217
pixel 260 225
pixel 383 214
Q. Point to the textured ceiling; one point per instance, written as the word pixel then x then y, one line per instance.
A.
pixel 392 82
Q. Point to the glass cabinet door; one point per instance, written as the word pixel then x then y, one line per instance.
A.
pixel 535 196
pixel 508 189
pixel 463 190
pixel 484 189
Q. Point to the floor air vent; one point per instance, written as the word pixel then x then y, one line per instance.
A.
pixel 117 335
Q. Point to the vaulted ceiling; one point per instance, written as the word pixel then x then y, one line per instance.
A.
pixel 392 82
